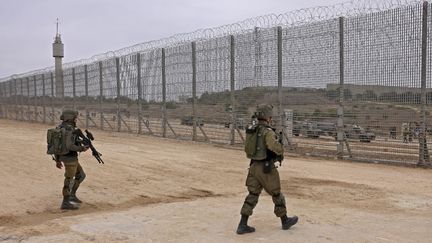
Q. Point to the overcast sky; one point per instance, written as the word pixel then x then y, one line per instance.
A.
pixel 90 27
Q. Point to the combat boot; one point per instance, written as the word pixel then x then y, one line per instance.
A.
pixel 74 199
pixel 67 205
pixel 288 222
pixel 243 228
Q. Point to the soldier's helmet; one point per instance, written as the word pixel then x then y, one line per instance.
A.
pixel 68 115
pixel 264 111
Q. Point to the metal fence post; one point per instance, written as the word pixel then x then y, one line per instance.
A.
pixel 28 98
pixel 138 60
pixel 340 112
pixel 3 100
pixel 73 89
pixel 257 50
pixel 35 99
pixel 22 99
pixel 117 61
pixel 10 98
pixel 7 98
pixel 101 96
pixel 424 157
pixel 87 100
pixel 6 104
pixel 16 97
pixel 232 89
pixel 164 115
pixel 52 98
pixel 43 99
pixel 194 120
pixel 279 77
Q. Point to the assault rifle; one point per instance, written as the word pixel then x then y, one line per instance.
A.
pixel 280 140
pixel 272 155
pixel 86 140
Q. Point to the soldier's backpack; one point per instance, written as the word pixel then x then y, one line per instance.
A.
pixel 56 141
pixel 251 140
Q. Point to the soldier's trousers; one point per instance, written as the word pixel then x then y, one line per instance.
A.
pixel 74 175
pixel 256 181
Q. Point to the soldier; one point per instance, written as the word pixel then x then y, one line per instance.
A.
pixel 74 174
pixel 262 172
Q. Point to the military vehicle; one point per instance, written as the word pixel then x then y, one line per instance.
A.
pixel 358 132
pixel 306 129
pixel 327 128
pixel 188 121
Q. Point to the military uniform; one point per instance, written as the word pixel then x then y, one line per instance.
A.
pixel 74 173
pixel 263 174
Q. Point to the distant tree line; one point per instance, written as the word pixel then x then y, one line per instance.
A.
pixel 370 95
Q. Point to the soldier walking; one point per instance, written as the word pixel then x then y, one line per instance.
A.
pixel 74 173
pixel 263 148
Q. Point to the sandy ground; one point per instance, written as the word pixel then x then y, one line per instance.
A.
pixel 161 190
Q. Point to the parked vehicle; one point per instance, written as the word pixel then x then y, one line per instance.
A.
pixel 306 129
pixel 358 132
pixel 327 128
pixel 188 121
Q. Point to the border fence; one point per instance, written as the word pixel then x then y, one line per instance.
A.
pixel 351 81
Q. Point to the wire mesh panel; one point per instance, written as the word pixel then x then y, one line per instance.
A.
pixel 94 98
pixel 255 73
pixel 311 64
pixel 8 100
pixel 58 100
pixel 382 84
pixel 12 105
pixel 212 90
pixel 68 100
pixel 428 88
pixel 151 83
pixel 5 99
pixel 26 87
pixel 109 94
pixel 79 99
pixel 178 68
pixel 38 104
pixel 20 97
pixel 129 93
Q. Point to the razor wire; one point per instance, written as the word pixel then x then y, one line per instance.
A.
pixel 294 18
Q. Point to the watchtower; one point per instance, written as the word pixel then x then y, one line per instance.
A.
pixel 58 54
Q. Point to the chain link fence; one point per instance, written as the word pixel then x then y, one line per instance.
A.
pixel 351 81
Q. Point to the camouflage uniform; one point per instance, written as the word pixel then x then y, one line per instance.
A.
pixel 74 173
pixel 257 180
pixel 267 148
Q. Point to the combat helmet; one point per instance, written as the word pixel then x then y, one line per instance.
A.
pixel 68 115
pixel 264 111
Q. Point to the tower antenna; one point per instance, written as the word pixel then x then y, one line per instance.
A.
pixel 57 24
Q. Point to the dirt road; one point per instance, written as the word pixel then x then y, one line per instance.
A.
pixel 161 190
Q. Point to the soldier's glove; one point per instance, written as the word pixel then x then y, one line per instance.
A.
pixel 59 164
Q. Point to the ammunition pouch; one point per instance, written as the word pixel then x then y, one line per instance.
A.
pixel 267 167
